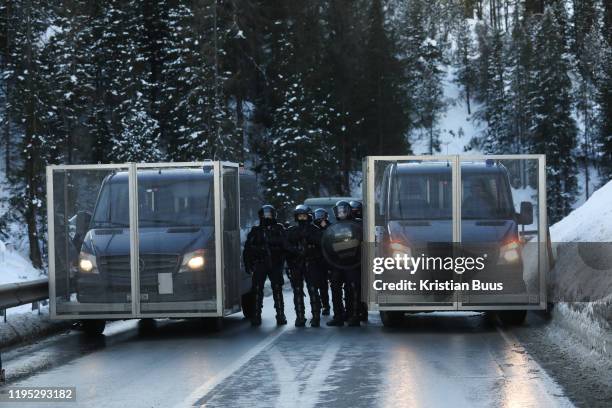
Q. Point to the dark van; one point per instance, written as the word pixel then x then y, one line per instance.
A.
pixel 417 200
pixel 176 233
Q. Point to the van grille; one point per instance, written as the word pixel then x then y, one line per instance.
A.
pixel 117 268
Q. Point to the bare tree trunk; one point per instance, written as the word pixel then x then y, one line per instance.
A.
pixel 506 7
pixel 586 149
pixel 7 114
pixel 467 99
pixel 240 125
pixel 31 206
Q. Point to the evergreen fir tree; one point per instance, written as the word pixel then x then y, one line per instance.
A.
pixel 385 121
pixel 423 57
pixel 519 66
pixel 297 160
pixel 139 138
pixel 554 131
pixel 39 145
pixel 199 123
pixel 604 114
pixel 494 112
pixel 464 62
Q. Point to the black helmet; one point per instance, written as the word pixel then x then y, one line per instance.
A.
pixel 267 214
pixel 356 209
pixel 300 210
pixel 342 210
pixel 321 217
pixel 321 214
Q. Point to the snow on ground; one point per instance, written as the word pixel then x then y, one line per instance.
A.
pixel 14 267
pixel 581 282
pixel 591 222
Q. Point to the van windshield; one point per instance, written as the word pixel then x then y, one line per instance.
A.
pixel 429 197
pixel 161 203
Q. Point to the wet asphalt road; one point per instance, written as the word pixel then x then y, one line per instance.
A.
pixel 435 360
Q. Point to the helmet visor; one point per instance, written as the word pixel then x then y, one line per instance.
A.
pixel 268 213
pixel 343 212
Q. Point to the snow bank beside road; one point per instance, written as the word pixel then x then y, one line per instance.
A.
pixel 591 222
pixel 28 326
pixel 581 280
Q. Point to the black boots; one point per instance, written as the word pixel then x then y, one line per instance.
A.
pixel 298 301
pixel 363 312
pixel 315 306
pixel 338 319
pixel 324 293
pixel 279 304
pixel 354 318
pixel 256 319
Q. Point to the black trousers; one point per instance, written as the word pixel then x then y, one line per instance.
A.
pixel 262 272
pixel 306 272
pixel 274 272
pixel 350 281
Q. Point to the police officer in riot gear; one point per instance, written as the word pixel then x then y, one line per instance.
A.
pixel 349 277
pixel 357 214
pixel 321 220
pixel 264 257
pixel 303 247
pixel 356 210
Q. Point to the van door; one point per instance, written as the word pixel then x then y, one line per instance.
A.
pixel 409 224
pixel 503 221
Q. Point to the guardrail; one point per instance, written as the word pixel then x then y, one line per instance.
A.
pixel 21 293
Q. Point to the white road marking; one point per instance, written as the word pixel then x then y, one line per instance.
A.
pixel 229 370
pixel 316 381
pixel 285 376
pixel 290 395
pixel 553 392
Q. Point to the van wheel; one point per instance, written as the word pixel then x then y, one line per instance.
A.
pixel 248 304
pixel 512 317
pixel 93 327
pixel 391 318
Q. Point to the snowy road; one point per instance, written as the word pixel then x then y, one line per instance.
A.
pixel 435 360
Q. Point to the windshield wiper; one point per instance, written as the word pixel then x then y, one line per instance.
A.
pixel 170 223
pixel 103 224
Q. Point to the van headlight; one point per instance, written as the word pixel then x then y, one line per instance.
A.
pixel 87 263
pixel 399 248
pixel 509 253
pixel 193 261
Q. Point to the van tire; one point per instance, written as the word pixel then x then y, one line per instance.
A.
pixel 93 327
pixel 248 304
pixel 391 318
pixel 512 317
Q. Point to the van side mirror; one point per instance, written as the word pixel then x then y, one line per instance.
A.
pixel 525 217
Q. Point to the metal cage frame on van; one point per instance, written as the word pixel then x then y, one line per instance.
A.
pixel 455 163
pixel 132 169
